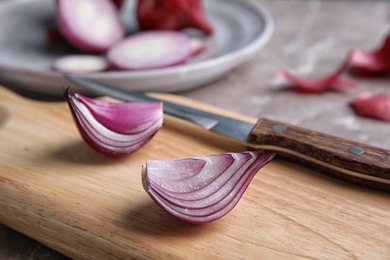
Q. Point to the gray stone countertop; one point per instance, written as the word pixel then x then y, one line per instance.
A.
pixel 311 38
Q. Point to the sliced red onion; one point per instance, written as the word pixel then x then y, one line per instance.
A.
pixel 80 64
pixel 115 129
pixel 150 50
pixel 372 61
pixel 331 81
pixel 202 189
pixel 197 46
pixel 89 25
pixel 374 106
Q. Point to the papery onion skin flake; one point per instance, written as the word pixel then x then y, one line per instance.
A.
pixel 115 129
pixel 376 61
pixel 369 105
pixel 199 190
pixel 329 82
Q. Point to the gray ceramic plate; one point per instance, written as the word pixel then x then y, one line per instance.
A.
pixel 242 27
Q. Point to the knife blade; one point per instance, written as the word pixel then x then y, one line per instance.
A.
pixel 345 159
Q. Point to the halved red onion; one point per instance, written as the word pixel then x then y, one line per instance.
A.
pixel 372 61
pixel 331 81
pixel 80 64
pixel 202 189
pixel 377 106
pixel 89 25
pixel 150 50
pixel 115 129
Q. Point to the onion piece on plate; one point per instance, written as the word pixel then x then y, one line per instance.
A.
pixel 115 129
pixel 374 106
pixel 150 50
pixel 80 64
pixel 118 3
pixel 202 189
pixel 172 15
pixel 197 46
pixel 89 25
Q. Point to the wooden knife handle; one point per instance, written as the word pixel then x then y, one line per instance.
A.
pixel 350 161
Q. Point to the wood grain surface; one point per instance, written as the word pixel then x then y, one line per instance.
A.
pixel 57 190
pixel 369 166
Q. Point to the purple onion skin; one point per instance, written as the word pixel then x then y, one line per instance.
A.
pixel 114 129
pixel 200 190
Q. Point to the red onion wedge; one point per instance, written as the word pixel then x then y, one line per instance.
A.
pixel 374 106
pixel 115 129
pixel 89 25
pixel 376 61
pixel 331 81
pixel 150 50
pixel 80 64
pixel 202 189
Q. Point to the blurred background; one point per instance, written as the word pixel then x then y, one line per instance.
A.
pixel 311 38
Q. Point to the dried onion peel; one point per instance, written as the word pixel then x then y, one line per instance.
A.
pixel 202 189
pixel 331 81
pixel 375 61
pixel 374 106
pixel 115 129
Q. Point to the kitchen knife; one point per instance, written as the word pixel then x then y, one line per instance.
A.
pixel 348 160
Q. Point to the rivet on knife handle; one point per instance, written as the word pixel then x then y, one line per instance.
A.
pixel 351 161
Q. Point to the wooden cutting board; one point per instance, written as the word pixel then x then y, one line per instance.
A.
pixel 57 190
